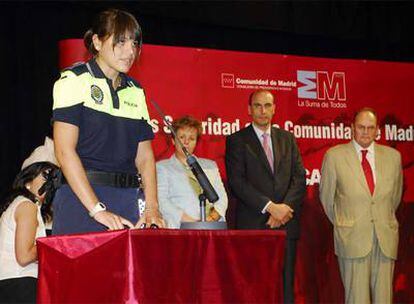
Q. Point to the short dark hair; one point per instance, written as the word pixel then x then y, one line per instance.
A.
pixel 253 94
pixel 366 109
pixel 188 121
pixel 112 21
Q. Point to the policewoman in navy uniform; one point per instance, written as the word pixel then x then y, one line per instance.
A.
pixel 102 135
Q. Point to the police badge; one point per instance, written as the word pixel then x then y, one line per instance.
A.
pixel 96 94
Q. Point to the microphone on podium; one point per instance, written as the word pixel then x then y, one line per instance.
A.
pixel 202 179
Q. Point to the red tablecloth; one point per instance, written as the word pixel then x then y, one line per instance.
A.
pixel 162 266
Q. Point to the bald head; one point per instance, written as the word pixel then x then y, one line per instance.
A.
pixel 261 93
pixel 366 111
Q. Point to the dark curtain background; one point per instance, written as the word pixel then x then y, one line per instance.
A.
pixel 31 30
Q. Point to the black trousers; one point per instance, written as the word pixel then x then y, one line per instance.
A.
pixel 289 271
pixel 18 290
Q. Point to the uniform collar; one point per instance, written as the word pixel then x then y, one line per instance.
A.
pixel 96 72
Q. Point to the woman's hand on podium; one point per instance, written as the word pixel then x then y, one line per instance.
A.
pixel 112 221
pixel 150 219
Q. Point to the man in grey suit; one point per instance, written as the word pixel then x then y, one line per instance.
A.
pixel 360 190
pixel 266 175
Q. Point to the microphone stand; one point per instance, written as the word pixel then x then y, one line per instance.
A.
pixel 202 198
pixel 208 190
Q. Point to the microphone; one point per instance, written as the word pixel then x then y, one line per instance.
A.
pixel 192 162
pixel 202 179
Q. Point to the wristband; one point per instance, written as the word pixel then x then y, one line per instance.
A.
pixel 98 208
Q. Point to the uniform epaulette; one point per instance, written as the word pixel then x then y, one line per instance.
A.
pixel 77 68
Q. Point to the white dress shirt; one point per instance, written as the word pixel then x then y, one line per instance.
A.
pixel 370 156
pixel 260 133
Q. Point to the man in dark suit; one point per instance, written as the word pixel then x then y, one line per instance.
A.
pixel 266 175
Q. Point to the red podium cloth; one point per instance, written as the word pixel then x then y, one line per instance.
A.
pixel 162 266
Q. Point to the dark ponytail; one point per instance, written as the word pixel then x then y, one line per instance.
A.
pixel 87 40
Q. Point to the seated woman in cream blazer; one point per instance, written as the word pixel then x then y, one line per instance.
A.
pixel 178 189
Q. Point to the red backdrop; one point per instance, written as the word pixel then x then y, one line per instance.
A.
pixel 315 99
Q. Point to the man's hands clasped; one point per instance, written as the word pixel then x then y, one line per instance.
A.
pixel 280 214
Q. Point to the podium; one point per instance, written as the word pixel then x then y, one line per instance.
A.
pixel 162 266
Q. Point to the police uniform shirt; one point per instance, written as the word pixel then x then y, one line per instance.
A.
pixel 111 122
